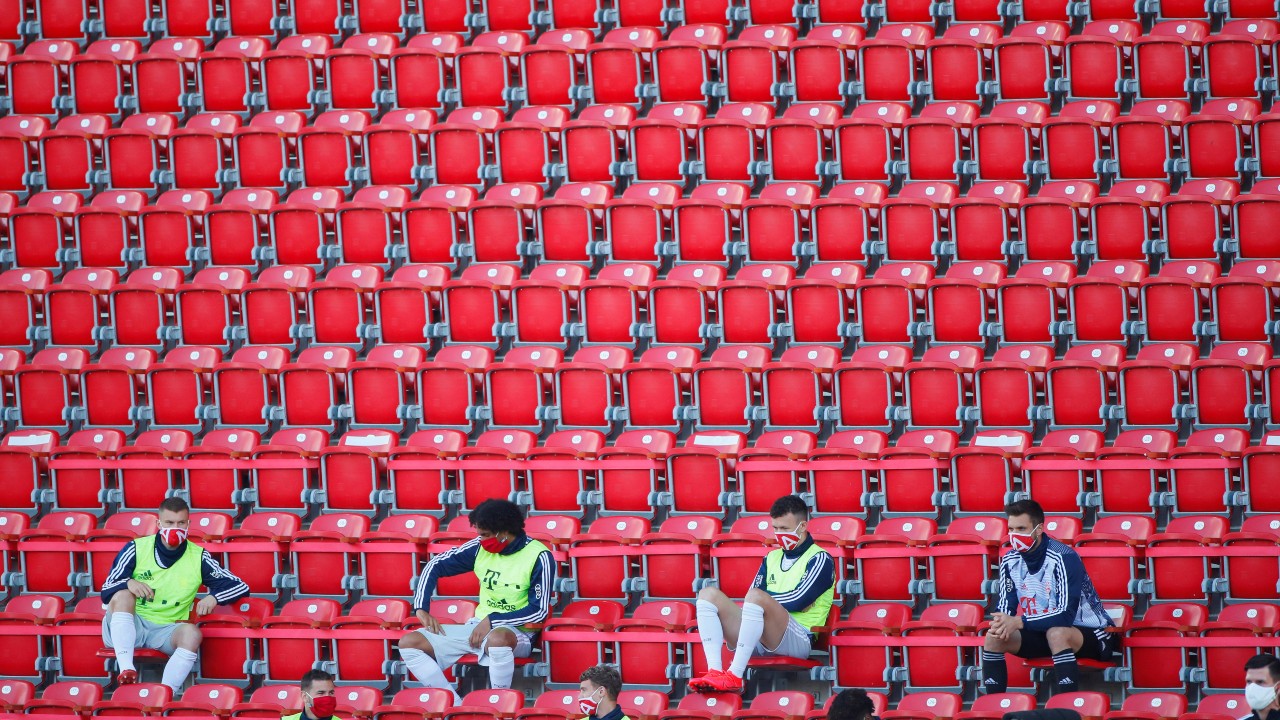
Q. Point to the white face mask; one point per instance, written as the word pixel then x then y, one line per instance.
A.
pixel 1259 696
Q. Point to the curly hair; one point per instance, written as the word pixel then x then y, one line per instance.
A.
pixel 605 677
pixel 498 516
pixel 852 704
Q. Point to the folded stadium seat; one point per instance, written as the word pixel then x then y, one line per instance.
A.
pixel 519 390
pixel 410 703
pixel 501 704
pixel 832 491
pixel 559 490
pixel 20 151
pixel 798 145
pixel 1102 301
pixel 868 385
pixel 959 65
pixel 477 485
pixel 51 555
pixel 619 66
pixel 706 223
pixel 662 377
pixel 553 704
pixel 360 459
pixel 1062 491
pixel 601 567
pixel 1149 124
pixel 79 661
pixel 594 146
pixel 229 658
pixel 301 226
pixel 1233 60
pixel 12 524
pixel 358 73
pixel 824 63
pixel 1244 300
pixel 1259 460
pixel 287 656
pixel 25 653
pixel 761 487
pixel 686 63
pixel 736 555
pixel 105 229
pixel 526 146
pixel 1124 224
pixel 567 224
pixel 213 488
pixel 613 305
pixel 875 129
pixel 500 225
pixel 891 301
pixel 22 293
pixel 135 699
pixel 1252 215
pixel 340 307
pixel 71 153
pixel 1121 542
pixel 451 386
pixel 47 387
pixel 1006 143
pixel 892 62
pixel 264 150
pixel 85 489
pixel 170 227
pixel 993 706
pixel 113 389
pixel 476 303
pixel 1028 60
pixel 1052 224
pixel 1216 140
pixel 395 146
pixel 360 700
pixel 1010 389
pixel 1176 577
pixel 136 150
pixel 1225 384
pixel 917 490
pixel 1244 621
pixel 98 75
pixel 588 389
pixel 1150 706
pixel 775 225
pixel 142 308
pixel 328 149
pixel 1264 153
pixel 147 488
pixel 1249 555
pixel 164 74
pixel 941 135
pixel 634 491
pixel 1214 707
pixel 460 147
pixel 426 64
pixel 235 227
pixel 961 305
pixel 733 140
pixel 709 706
pixel 269 700
pixel 1096 65
pixel 887 559
pixel 868 666
pixel 36 77
pixel 209 305
pixel 683 306
pixel 229 74
pixel 963 562
pixel 566 659
pixel 1161 668
pixel 486 72
pixel 1074 143
pixel 550 68
pixel 1155 384
pixel 548 299
pixel 203 700
pixel 396 549
pixel 939 387
pixel 323 557
pixel 926 706
pixel 433 227
pixel 1174 301
pixel 287 489
pixel 272 308
pixel 15 694
pixel 1128 489
pixel 841 224
pixel 818 303
pixel 990 454
pixel 1165 60
pixel 1083 384
pixel 726 388
pixel 66 697
pixel 941 667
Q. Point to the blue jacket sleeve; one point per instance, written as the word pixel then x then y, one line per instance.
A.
pixel 120 573
pixel 223 585
pixel 819 576
pixel 539 607
pixel 1007 603
pixel 761 574
pixel 1065 581
pixel 456 561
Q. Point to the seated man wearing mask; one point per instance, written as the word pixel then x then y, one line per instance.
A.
pixel 1261 675
pixel 319 701
pixel 1047 606
pixel 598 690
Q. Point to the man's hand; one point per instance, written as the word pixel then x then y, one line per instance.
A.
pixel 206 605
pixel 1003 626
pixel 429 623
pixel 479 632
pixel 141 590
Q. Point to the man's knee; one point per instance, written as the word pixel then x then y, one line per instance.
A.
pixel 501 637
pixel 416 641
pixel 711 594
pixel 122 601
pixel 187 636
pixel 1062 638
pixel 991 643
pixel 757 596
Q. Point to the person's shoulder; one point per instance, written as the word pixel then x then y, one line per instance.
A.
pixel 1057 547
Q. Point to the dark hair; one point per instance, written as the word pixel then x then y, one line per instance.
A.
pixel 789 505
pixel 605 677
pixel 851 704
pixel 312 677
pixel 175 504
pixel 1265 660
pixel 1030 508
pixel 498 516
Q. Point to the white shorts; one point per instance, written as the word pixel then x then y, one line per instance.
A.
pixel 153 636
pixel 448 648
pixel 796 642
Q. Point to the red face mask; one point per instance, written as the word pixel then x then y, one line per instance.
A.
pixel 324 706
pixel 589 703
pixel 494 544
pixel 788 540
pixel 1022 542
pixel 173 536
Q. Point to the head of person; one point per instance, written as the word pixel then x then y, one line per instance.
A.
pixel 598 690
pixel 175 517
pixel 851 704
pixel 318 694
pixel 1026 524
pixel 790 518
pixel 1261 676
pixel 497 523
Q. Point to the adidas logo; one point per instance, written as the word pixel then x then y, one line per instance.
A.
pixel 1065 681
pixel 990 681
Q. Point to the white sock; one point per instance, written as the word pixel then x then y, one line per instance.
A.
pixel 748 637
pixel 178 668
pixel 502 666
pixel 123 636
pixel 426 671
pixel 712 633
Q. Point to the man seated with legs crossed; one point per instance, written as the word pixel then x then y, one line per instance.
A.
pixel 516 574
pixel 790 596
pixel 1048 606
pixel 150 590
